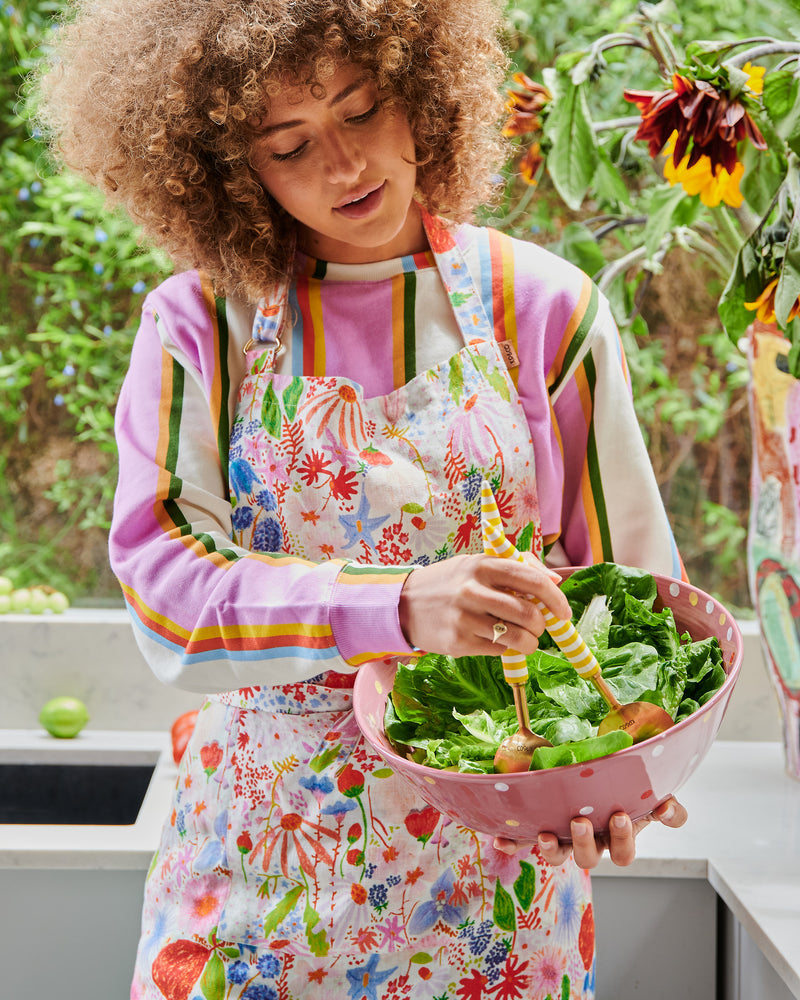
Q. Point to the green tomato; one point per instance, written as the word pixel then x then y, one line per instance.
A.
pixel 20 599
pixel 5 604
pixel 37 603
pixel 64 717
pixel 57 602
pixel 6 586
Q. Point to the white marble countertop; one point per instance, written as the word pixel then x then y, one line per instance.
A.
pixel 743 833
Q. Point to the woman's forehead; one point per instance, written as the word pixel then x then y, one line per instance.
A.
pixel 292 93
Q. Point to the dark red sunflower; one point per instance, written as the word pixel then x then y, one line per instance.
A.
pixel 706 119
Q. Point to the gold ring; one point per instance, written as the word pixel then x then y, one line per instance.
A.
pixel 499 629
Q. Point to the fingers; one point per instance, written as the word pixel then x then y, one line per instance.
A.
pixel 451 606
pixel 621 840
pixel 671 813
pixel 546 586
pixel 553 852
pixel 510 847
pixel 586 848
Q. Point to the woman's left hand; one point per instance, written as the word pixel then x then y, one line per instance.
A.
pixel 587 849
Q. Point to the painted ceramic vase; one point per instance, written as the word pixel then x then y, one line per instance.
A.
pixel 773 548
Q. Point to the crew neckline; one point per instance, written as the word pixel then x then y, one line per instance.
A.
pixel 376 271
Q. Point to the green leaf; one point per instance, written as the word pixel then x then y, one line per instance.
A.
pixel 788 289
pixel 742 286
pixel 271 412
pixel 322 760
pixel 578 245
pixel 661 218
pixel 525 538
pixel 412 508
pixel 383 772
pixel 317 940
pixel 608 183
pixel 573 157
pixel 153 863
pixel 568 60
pixel 493 377
pixel 456 382
pixel 212 982
pixel 291 397
pixel 525 885
pixel 764 171
pixel 504 914
pixel 282 910
pixel 576 753
pixel 782 104
pixel 421 958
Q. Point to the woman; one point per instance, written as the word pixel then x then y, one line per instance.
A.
pixel 310 409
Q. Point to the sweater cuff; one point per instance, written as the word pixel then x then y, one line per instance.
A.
pixel 364 613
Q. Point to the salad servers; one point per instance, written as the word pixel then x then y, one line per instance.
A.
pixel 640 719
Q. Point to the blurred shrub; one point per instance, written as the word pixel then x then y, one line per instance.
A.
pixel 72 277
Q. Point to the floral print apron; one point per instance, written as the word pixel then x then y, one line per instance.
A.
pixel 295 863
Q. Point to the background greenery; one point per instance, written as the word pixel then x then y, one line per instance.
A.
pixel 73 276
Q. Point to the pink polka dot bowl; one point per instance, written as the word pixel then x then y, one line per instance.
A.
pixel 634 780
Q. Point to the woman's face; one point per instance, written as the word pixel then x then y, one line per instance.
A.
pixel 343 166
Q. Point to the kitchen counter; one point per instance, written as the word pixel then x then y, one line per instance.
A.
pixel 743 834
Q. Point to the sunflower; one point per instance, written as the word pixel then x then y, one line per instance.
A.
pixel 764 305
pixel 705 118
pixel 713 186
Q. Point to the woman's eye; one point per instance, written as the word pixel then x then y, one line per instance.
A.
pixel 364 116
pixel 280 157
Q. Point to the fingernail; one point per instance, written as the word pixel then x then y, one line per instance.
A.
pixel 619 822
pixel 546 843
pixel 505 846
pixel 668 813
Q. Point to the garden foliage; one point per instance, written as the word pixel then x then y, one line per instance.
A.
pixel 73 276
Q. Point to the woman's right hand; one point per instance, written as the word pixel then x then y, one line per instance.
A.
pixel 451 606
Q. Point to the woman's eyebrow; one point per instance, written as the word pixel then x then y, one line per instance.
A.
pixel 336 99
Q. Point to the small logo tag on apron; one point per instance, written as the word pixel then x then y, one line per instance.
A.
pixel 509 354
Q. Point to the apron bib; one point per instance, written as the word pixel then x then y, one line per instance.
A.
pixel 296 863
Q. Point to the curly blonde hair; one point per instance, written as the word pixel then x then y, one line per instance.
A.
pixel 153 101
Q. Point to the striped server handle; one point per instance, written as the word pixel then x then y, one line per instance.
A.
pixel 563 633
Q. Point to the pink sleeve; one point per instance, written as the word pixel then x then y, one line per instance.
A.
pixel 208 615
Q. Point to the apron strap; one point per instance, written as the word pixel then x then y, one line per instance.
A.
pixel 463 292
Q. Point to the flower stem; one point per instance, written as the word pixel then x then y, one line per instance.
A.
pixel 770 48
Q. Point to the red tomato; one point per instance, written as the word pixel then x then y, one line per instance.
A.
pixel 182 729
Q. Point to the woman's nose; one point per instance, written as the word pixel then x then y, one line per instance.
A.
pixel 344 157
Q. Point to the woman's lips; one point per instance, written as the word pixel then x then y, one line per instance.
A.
pixel 361 207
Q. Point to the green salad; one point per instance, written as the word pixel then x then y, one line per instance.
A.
pixel 452 713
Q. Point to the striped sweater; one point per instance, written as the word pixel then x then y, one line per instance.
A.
pixel 210 616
